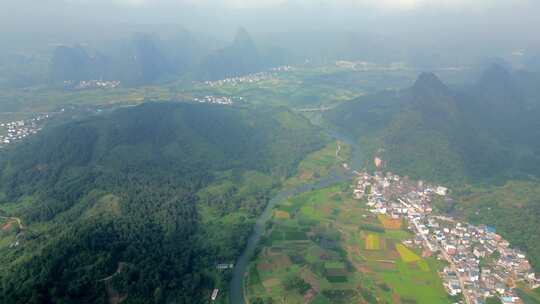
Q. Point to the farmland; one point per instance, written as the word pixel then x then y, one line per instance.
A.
pixel 329 249
pixel 373 242
pixel 406 254
pixel 388 223
pixel 300 88
pixel 320 163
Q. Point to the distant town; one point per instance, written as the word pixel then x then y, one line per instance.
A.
pixel 481 264
pixel 14 131
pixel 251 78
pixel 221 100
pixel 91 84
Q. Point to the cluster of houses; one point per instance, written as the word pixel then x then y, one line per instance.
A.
pixel 221 100
pixel 284 68
pixel 391 194
pixel 236 81
pixel 479 259
pixel 11 132
pixel 91 84
pixel 250 78
pixel 481 264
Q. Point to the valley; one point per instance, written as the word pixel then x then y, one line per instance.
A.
pixel 325 247
pixel 121 192
pixel 269 152
pixel 298 233
pixel 380 242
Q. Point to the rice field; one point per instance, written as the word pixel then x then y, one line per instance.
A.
pixel 373 242
pixel 280 214
pixel 389 223
pixel 407 255
pixel 328 250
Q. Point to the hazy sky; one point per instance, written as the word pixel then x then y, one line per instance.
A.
pixel 383 4
pixel 127 7
pixel 516 21
pixel 154 10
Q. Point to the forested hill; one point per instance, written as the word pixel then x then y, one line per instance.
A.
pixel 150 59
pixel 240 58
pixel 142 203
pixel 142 59
pixel 485 132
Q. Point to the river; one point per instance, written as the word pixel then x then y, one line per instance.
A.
pixel 239 272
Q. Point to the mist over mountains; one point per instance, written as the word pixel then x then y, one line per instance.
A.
pixel 380 35
pixel 281 151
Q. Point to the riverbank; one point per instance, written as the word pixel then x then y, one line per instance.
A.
pixel 236 295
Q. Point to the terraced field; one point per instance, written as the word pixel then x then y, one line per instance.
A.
pixel 331 250
pixel 373 242
pixel 389 223
pixel 406 254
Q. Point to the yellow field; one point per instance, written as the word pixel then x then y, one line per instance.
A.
pixel 373 242
pixel 423 265
pixel 406 254
pixel 388 223
pixel 282 214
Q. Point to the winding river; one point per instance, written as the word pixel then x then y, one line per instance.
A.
pixel 240 269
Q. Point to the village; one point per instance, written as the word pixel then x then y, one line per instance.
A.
pixel 236 81
pixel 221 100
pixel 481 264
pixel 250 78
pixel 14 131
pixel 91 84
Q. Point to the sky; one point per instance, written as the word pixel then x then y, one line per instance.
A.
pixel 513 22
pixel 382 4
pixel 231 11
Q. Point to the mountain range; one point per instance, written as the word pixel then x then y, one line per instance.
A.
pixel 481 139
pixel 147 59
pixel 485 131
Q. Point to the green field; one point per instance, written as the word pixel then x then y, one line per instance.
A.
pixel 322 254
pixel 21 104
pixel 373 242
pixel 320 163
pixel 304 87
pixel 406 254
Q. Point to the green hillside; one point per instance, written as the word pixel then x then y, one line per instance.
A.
pixel 481 139
pixel 513 208
pixel 410 129
pixel 486 132
pixel 240 58
pixel 141 203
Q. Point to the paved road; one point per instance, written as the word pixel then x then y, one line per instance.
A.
pixel 447 258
